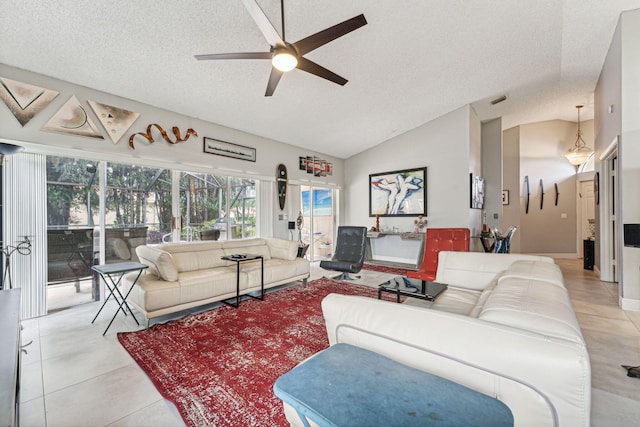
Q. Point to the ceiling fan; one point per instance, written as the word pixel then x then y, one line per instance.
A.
pixel 287 56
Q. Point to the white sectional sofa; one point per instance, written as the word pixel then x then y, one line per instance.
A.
pixel 505 327
pixel 186 275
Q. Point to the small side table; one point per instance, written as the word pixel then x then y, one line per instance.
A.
pixel 238 258
pixel 118 270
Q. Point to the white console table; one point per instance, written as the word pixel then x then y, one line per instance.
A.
pixel 395 249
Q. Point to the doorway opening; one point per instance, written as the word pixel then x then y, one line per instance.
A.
pixel 608 208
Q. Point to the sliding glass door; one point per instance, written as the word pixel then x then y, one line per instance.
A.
pixel 214 206
pixel 72 213
pixel 319 212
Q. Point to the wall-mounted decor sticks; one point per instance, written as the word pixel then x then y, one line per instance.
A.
pixel 557 193
pixel 176 133
pixel 526 192
pixel 541 194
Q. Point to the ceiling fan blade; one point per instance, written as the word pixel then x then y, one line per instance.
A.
pixel 311 67
pixel 266 27
pixel 323 37
pixel 274 79
pixel 241 55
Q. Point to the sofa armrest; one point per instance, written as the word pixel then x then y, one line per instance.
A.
pixel 497 360
pixel 160 262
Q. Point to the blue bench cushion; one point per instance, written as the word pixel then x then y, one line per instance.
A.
pixel 350 386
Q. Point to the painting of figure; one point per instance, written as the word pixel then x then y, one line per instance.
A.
pixel 398 193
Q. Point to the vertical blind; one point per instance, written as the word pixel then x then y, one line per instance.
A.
pixel 266 203
pixel 25 214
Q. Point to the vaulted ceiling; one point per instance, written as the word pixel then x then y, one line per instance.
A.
pixel 414 61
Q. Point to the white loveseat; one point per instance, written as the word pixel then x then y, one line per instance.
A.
pixel 186 275
pixel 505 327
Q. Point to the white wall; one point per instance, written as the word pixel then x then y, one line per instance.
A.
pixel 607 118
pixel 629 159
pixel 511 181
pixel 617 108
pixel 542 149
pixel 184 156
pixel 492 173
pixel 444 147
pixel 475 167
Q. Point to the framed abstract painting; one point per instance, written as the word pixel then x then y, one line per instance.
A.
pixel 398 193
pixel 477 191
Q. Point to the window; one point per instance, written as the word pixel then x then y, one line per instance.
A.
pixel 141 206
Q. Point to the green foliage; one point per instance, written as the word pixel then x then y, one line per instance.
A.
pixel 135 191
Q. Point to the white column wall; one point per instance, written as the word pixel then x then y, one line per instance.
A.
pixel 25 214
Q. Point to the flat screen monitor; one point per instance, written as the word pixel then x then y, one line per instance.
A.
pixel 632 235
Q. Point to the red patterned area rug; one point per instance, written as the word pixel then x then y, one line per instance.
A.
pixel 386 269
pixel 219 367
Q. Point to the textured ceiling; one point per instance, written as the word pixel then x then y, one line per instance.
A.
pixel 415 60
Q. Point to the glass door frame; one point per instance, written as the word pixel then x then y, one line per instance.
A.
pixel 325 240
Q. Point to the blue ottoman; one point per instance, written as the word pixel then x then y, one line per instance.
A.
pixel 350 386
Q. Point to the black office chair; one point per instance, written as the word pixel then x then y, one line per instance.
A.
pixel 348 256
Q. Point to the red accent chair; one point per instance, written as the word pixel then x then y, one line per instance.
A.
pixel 440 239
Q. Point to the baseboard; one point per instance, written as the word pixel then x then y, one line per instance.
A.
pixel 629 304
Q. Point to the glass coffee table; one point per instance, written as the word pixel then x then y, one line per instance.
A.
pixel 413 288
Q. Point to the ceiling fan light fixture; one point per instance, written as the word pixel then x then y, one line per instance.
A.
pixel 284 60
pixel 580 152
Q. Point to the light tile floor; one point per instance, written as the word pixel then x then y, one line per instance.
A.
pixel 74 376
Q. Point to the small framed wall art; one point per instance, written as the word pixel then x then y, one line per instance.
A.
pixel 229 149
pixel 477 191
pixel 505 197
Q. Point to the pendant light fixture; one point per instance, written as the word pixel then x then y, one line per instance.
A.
pixel 580 152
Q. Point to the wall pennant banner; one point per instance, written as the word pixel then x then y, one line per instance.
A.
pixel 116 121
pixel 72 119
pixel 25 100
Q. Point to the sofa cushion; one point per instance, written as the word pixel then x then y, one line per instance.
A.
pixel 247 246
pixel 476 270
pixel 203 284
pixel 192 256
pixel 160 262
pixel 532 305
pixel 199 260
pixel 283 249
pixel 452 300
pixel 527 269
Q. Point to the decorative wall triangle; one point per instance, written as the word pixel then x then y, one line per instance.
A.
pixel 25 100
pixel 72 119
pixel 116 121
